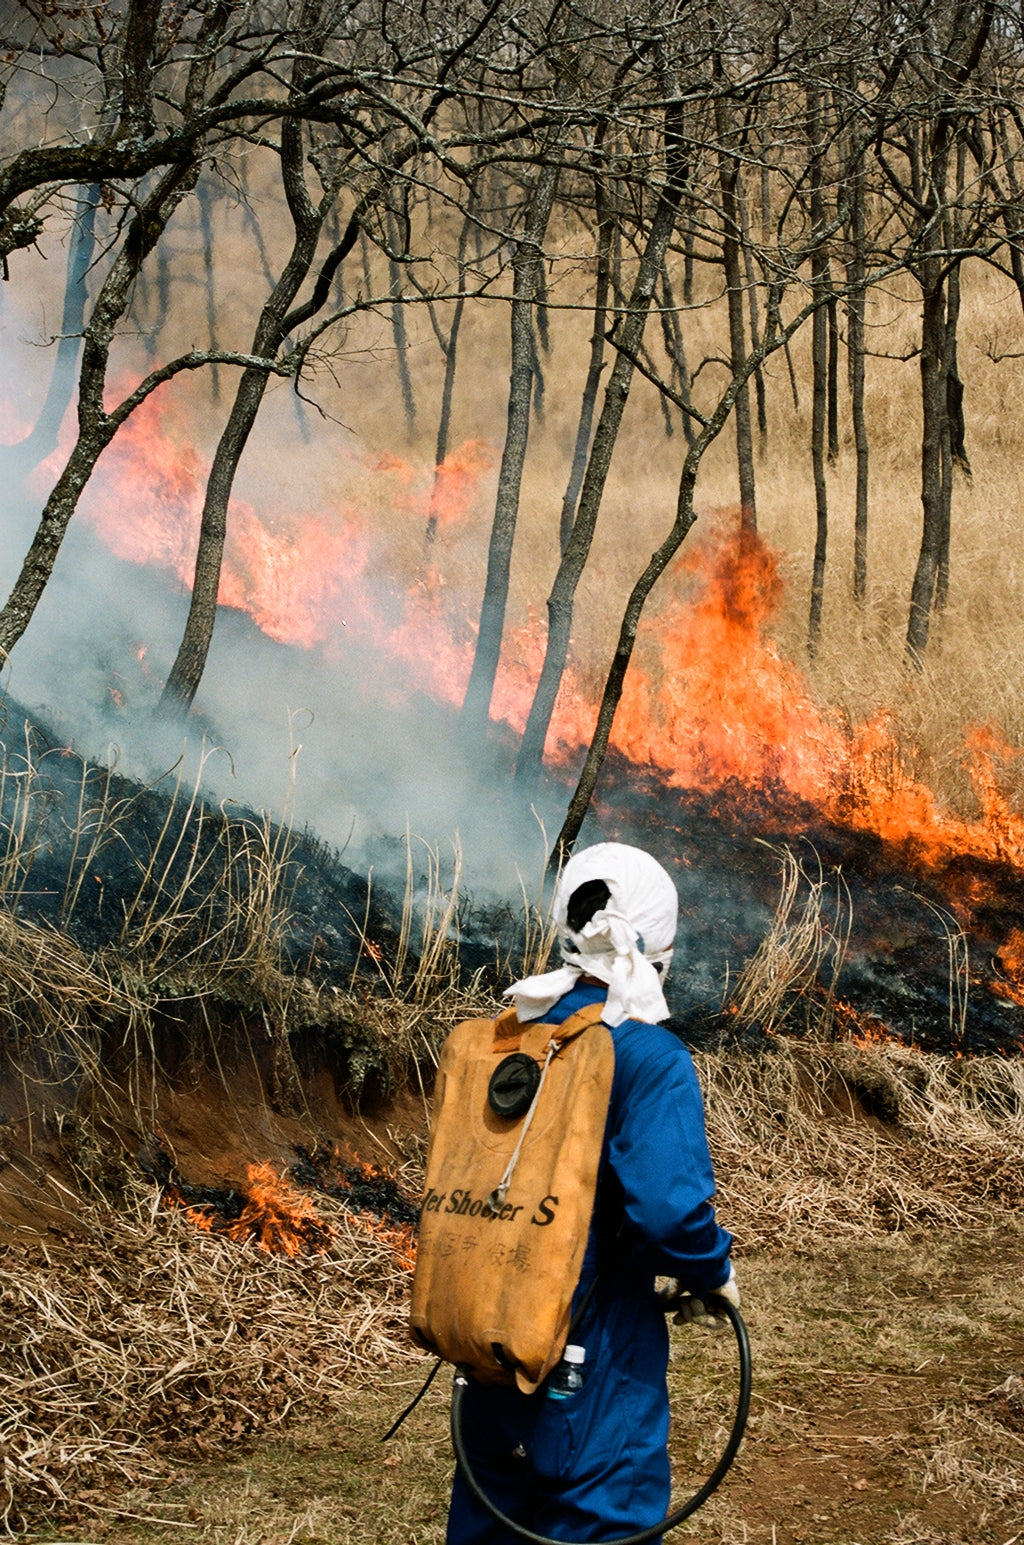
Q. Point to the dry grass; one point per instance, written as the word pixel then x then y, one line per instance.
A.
pixel 170 1344
pixel 867 1356
pixel 806 942
pixel 975 1453
pixel 841 1139
pixel 845 1130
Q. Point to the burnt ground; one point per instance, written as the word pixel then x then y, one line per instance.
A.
pixel 920 936
pixel 901 920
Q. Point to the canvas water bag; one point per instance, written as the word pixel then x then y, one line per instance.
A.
pixel 496 1269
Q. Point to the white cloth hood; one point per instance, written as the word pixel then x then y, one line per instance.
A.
pixel 622 945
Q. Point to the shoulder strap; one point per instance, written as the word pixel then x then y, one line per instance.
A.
pixel 508 1031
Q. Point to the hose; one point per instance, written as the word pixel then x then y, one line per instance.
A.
pixel 722 1306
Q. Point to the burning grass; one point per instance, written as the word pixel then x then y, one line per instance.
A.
pixel 275 1215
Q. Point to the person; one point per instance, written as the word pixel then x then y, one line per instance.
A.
pixel 594 1465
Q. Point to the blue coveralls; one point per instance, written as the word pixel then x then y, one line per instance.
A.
pixel 595 1466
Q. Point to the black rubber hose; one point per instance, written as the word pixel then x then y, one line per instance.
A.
pixel 674 1518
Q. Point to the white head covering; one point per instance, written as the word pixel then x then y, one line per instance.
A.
pixel 621 945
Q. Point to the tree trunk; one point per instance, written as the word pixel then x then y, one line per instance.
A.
pixel 933 406
pixel 273 325
pixel 628 342
pixel 540 309
pixel 96 427
pixel 1011 207
pixel 538 373
pixel 602 280
pixel 856 307
pixel 206 231
pixel 819 374
pixel 186 673
pixel 676 351
pixel 451 352
pixel 832 317
pixel 755 321
pixel 444 422
pixel 819 392
pixel 954 385
pixel 732 242
pixel 398 328
pixel 962 53
pixel 477 701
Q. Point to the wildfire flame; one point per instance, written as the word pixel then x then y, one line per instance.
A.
pixel 718 706
pixel 276 1216
pixel 282 1220
pixel 709 702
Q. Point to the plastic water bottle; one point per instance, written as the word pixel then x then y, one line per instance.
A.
pixel 566 1378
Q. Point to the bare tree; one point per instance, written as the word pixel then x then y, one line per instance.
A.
pixel 525 265
pixel 948 61
pixel 732 264
pixel 819 360
pixel 856 270
pixel 603 229
pixel 774 337
pixel 628 338
pixel 42 439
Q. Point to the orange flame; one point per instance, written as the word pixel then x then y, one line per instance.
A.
pixel 283 1221
pixel 713 701
pixel 709 703
pixel 277 1216
pixel 400 1236
pixel 863 1029
pixel 717 705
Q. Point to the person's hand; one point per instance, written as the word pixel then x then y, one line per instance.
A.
pixel 729 1290
pixel 691 1310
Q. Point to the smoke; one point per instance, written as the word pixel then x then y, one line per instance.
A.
pixel 332 732
pixel 346 734
pixel 337 667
